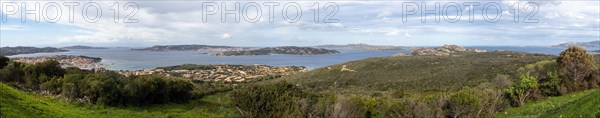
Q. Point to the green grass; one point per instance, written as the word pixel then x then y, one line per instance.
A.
pixel 583 104
pixel 16 104
pixel 415 74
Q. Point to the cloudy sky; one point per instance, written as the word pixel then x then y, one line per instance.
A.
pixel 491 23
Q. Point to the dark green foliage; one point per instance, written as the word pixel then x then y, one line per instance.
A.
pixel 578 67
pixel 3 61
pixel 276 100
pixel 97 86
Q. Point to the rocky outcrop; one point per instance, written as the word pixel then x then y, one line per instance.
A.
pixel 445 50
pixel 400 55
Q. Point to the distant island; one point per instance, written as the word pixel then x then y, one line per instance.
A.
pixel 64 60
pixel 292 50
pixel 82 47
pixel 193 48
pixel 596 51
pixel 8 51
pixel 445 50
pixel 587 45
pixel 363 46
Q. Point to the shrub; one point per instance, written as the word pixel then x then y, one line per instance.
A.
pixel 463 104
pixel 519 93
pixel 276 100
pixel 3 61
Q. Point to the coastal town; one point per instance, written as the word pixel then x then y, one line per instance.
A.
pixel 221 72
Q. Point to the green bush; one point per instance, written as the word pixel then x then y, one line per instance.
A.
pixel 523 89
pixel 463 104
pixel 274 100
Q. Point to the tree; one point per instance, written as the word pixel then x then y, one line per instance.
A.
pixel 575 64
pixel 3 61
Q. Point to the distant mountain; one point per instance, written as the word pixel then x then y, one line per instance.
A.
pixel 362 46
pixel 587 45
pixel 292 50
pixel 82 47
pixel 193 48
pixel 8 51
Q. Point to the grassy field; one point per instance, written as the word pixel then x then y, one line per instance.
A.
pixel 17 104
pixel 415 74
pixel 583 104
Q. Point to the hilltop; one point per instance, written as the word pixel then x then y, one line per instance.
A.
pixel 362 46
pixel 292 50
pixel 8 51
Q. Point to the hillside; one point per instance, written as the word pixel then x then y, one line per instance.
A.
pixel 8 51
pixel 414 73
pixel 582 104
pixel 18 104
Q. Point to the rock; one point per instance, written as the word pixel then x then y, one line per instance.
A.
pixel 400 55
pixel 346 69
pixel 454 48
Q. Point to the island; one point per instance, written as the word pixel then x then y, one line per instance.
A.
pixel 445 50
pixel 220 72
pixel 587 45
pixel 291 50
pixel 82 47
pixel 8 51
pixel 64 60
pixel 362 46
pixel 193 48
pixel 598 51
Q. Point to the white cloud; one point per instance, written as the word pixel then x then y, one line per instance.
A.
pixel 225 36
pixel 407 35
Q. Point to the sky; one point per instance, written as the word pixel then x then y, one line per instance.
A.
pixel 278 23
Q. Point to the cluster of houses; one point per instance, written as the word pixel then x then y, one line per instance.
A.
pixel 222 73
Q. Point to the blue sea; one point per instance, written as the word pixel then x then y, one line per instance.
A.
pixel 125 59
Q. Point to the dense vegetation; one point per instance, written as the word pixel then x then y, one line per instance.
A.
pixel 466 85
pixel 19 104
pixel 461 85
pixel 95 86
pixel 583 104
pixel 415 74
